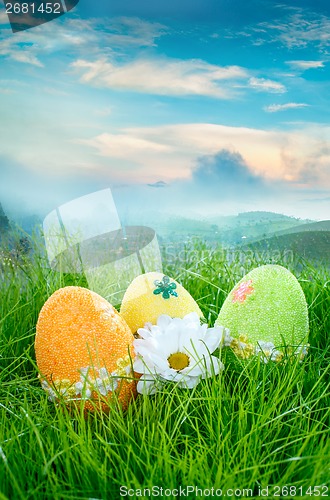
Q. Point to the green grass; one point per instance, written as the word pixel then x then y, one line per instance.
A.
pixel 251 427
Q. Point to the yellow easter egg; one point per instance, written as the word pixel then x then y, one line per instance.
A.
pixel 84 349
pixel 152 294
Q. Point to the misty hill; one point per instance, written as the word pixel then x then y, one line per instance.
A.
pixel 4 222
pixel 30 223
pixel 263 215
pixel 323 225
pixel 259 216
pixel 311 245
pixel 226 230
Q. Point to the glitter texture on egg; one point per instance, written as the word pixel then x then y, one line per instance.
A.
pixel 266 315
pixel 152 294
pixel 84 349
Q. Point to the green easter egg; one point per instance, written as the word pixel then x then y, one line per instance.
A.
pixel 266 315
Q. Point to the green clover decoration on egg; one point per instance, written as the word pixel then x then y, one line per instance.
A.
pixel 165 287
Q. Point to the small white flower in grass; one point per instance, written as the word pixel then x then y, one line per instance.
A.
pixel 105 382
pixel 267 351
pixel 227 338
pixel 51 393
pixel 302 351
pixel 84 386
pixel 102 384
pixel 177 350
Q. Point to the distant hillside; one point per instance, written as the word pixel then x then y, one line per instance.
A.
pixel 252 226
pixel 312 245
pixel 30 223
pixel 259 215
pixel 227 230
pixel 4 222
pixel 323 225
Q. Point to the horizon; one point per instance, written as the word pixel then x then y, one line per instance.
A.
pixel 160 218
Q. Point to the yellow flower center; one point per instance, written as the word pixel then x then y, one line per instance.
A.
pixel 178 361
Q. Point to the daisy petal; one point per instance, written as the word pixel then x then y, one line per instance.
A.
pixel 213 338
pixel 144 333
pixel 163 321
pixel 189 382
pixel 192 317
pixel 146 387
pixel 214 366
pixel 172 375
pixel 195 369
pixel 176 350
pixel 138 365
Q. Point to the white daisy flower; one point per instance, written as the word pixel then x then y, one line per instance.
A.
pixel 177 350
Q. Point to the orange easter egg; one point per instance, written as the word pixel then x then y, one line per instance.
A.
pixel 84 350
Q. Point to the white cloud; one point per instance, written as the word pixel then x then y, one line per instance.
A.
pixel 77 37
pixel 131 31
pixel 144 155
pixel 16 50
pixel 25 57
pixel 264 85
pixel 170 152
pixel 274 108
pixel 298 30
pixel 124 146
pixel 163 76
pixel 3 17
pixel 305 65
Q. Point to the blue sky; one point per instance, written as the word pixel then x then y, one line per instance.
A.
pixel 226 102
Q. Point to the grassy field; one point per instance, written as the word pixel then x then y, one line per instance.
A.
pixel 248 429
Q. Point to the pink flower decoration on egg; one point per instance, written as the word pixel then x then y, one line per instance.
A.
pixel 245 289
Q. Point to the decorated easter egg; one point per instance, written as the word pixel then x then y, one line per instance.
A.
pixel 152 294
pixel 266 315
pixel 84 349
